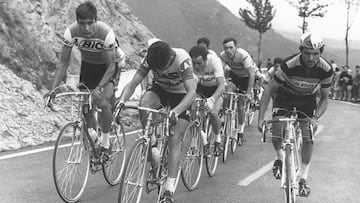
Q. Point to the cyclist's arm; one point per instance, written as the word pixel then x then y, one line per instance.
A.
pixel 62 66
pixel 129 89
pixel 220 88
pixel 251 79
pixel 264 102
pixel 323 102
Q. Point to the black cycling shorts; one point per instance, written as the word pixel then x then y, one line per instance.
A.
pixel 169 99
pixel 241 83
pixel 205 91
pixel 91 74
pixel 306 104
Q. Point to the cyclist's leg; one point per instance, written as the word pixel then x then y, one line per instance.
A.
pixel 105 115
pixel 150 99
pixel 215 120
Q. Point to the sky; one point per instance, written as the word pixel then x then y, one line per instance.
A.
pixel 332 25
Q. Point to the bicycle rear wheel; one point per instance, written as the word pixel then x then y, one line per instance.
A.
pixel 132 179
pixel 192 164
pixel 113 168
pixel 71 162
pixel 250 111
pixel 212 159
pixel 290 193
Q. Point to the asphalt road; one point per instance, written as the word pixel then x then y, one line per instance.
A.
pixel 334 173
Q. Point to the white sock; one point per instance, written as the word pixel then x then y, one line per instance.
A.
pixel 218 138
pixel 170 184
pixel 204 137
pixel 303 173
pixel 105 142
pixel 242 127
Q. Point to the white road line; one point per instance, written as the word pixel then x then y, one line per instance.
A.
pixel 251 178
pixel 345 102
pixel 14 155
pixel 256 175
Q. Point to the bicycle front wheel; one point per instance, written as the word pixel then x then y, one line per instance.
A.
pixel 290 193
pixel 227 136
pixel 193 161
pixel 212 159
pixel 113 168
pixel 250 109
pixel 71 162
pixel 132 180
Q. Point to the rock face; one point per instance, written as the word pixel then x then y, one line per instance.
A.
pixel 30 41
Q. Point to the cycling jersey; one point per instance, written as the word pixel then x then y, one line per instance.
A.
pixel 207 76
pixel 91 48
pixel 294 79
pixel 172 78
pixel 240 63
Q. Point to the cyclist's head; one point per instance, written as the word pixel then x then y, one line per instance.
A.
pixel 277 62
pixel 159 55
pixel 311 47
pixel 86 15
pixel 152 41
pixel 230 46
pixel 198 55
pixel 311 41
pixel 203 41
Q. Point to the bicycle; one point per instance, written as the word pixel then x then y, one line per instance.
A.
pixel 133 178
pixel 231 123
pixel 291 146
pixel 250 108
pixel 75 153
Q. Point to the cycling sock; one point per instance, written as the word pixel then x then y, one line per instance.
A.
pixel 105 140
pixel 204 137
pixel 303 173
pixel 218 138
pixel 170 184
pixel 242 127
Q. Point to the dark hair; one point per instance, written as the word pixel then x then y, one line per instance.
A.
pixel 230 39
pixel 203 40
pixel 197 51
pixel 278 60
pixel 158 54
pixel 86 10
pixel 337 69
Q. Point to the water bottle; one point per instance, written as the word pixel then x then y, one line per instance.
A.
pixel 156 156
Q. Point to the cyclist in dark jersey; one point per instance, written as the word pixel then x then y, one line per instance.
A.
pixel 296 84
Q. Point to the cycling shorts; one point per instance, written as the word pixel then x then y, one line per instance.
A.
pixel 241 83
pixel 205 91
pixel 306 104
pixel 169 99
pixel 91 74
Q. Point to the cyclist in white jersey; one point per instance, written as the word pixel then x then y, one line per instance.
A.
pixel 239 68
pixel 211 85
pixel 173 85
pixel 96 41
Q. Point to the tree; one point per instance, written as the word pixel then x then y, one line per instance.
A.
pixel 308 8
pixel 351 5
pixel 258 18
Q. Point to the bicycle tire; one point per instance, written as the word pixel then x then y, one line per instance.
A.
pixel 227 136
pixel 69 182
pixel 250 113
pixel 211 160
pixel 113 168
pixel 134 173
pixel 234 131
pixel 290 193
pixel 192 164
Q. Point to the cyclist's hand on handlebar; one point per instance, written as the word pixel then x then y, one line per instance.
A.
pixel 210 102
pixel 96 94
pixel 173 116
pixel 120 105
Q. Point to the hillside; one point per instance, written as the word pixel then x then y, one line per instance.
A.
pixel 30 42
pixel 182 22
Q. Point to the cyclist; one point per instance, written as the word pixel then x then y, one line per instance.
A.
pixel 271 72
pixel 239 66
pixel 173 85
pixel 204 41
pixel 211 84
pixel 96 41
pixel 296 83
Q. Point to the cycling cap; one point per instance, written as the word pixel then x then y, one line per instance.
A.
pixel 152 41
pixel 158 54
pixel 311 41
